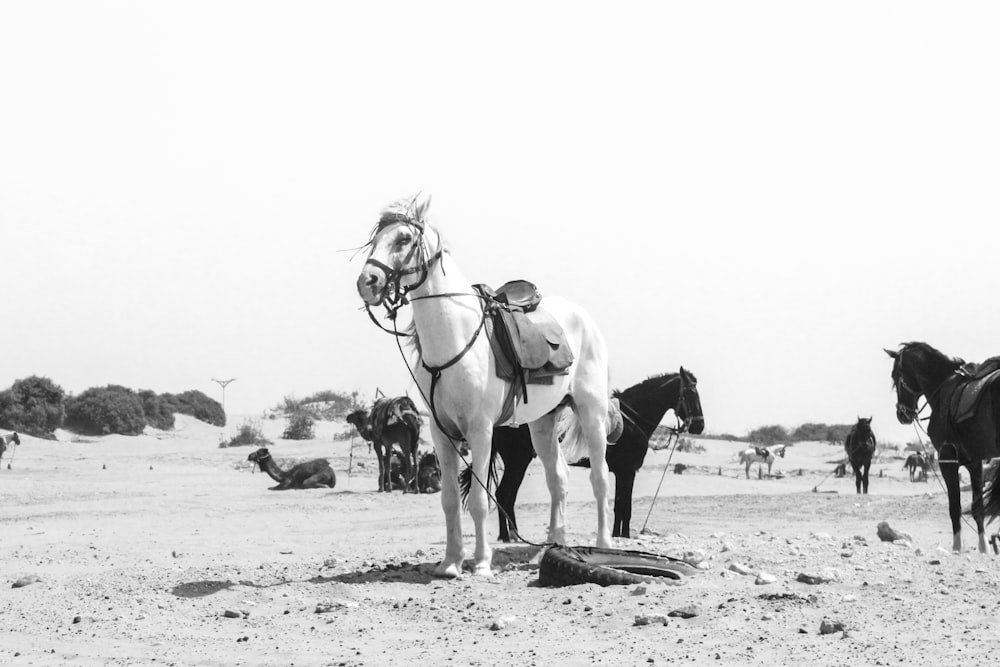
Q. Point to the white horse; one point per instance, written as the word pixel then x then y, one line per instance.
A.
pixel 454 368
pixel 767 455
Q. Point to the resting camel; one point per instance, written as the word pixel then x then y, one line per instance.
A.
pixel 308 475
pixel 392 421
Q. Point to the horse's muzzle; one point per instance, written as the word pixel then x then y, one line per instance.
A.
pixel 904 414
pixel 696 426
pixel 372 284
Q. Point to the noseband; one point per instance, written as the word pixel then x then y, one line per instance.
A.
pixel 394 293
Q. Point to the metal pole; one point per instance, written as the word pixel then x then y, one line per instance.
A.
pixel 223 383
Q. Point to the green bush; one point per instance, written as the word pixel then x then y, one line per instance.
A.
pixel 33 405
pixel 300 427
pixel 198 405
pixel 105 410
pixel 157 409
pixel 249 434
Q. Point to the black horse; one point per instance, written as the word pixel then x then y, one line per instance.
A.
pixel 643 407
pixel 965 403
pixel 860 446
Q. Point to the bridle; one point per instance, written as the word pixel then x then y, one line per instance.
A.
pixel 913 413
pixel 681 407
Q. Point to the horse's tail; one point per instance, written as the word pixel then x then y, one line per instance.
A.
pixel 570 436
pixel 465 479
pixel 992 498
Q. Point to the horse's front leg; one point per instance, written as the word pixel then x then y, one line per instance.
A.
pixel 447 454
pixel 543 438
pixel 480 440
pixel 949 473
pixel 976 479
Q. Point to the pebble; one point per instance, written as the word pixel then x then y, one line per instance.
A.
pixel 765 578
pixel 886 533
pixel 638 590
pixel 650 619
pixel 739 568
pixel 229 613
pixel 828 627
pixel 25 581
pixel 687 611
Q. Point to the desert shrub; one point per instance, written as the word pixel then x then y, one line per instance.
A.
pixel 769 435
pixel 157 409
pixel 249 434
pixel 690 446
pixel 198 405
pixel 300 427
pixel 105 410
pixel 327 404
pixel 33 405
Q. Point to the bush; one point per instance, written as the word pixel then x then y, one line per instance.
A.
pixel 248 435
pixel 105 410
pixel 327 404
pixel 300 427
pixel 157 409
pixel 33 405
pixel 198 405
pixel 769 435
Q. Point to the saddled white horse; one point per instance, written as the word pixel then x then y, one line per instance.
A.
pixel 767 455
pixel 454 368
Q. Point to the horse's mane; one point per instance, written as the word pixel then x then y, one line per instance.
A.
pixel 929 353
pixel 645 385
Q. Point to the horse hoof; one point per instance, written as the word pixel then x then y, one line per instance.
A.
pixel 482 570
pixel 447 570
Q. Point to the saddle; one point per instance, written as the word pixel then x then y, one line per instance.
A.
pixel 389 411
pixel 761 452
pixel 968 387
pixel 529 345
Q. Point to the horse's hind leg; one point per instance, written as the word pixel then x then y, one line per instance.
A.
pixel 949 473
pixel 976 479
pixel 515 464
pixel 592 411
pixel 543 438
pixel 624 483
pixel 864 477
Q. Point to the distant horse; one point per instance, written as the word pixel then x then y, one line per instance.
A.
pixel 860 447
pixel 643 406
pixel 392 421
pixel 965 404
pixel 455 368
pixel 917 464
pixel 10 440
pixel 761 455
pixel 840 470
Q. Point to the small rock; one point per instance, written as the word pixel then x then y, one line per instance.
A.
pixel 847 554
pixel 740 568
pixel 638 590
pixel 815 579
pixel 767 617
pixel 765 578
pixel 934 561
pixel 229 613
pixel 693 557
pixel 687 611
pixel 76 619
pixel 650 619
pixel 828 627
pixel 502 623
pixel 25 581
pixel 850 598
pixel 888 534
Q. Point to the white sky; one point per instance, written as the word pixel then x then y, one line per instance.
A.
pixel 768 193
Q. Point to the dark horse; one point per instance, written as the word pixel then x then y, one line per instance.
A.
pixel 860 446
pixel 392 421
pixel 643 407
pixel 964 403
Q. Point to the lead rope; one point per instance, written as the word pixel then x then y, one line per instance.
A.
pixel 674 436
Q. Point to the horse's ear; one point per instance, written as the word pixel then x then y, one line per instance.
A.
pixel 891 353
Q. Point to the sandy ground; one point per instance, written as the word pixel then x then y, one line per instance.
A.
pixel 141 545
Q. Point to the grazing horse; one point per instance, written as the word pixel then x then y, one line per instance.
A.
pixel 965 404
pixel 456 369
pixel 643 406
pixel 917 462
pixel 767 455
pixel 392 421
pixel 860 447
pixel 10 440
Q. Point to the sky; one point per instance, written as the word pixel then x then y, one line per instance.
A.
pixel 766 193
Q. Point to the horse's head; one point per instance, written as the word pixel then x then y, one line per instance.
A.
pixel 689 404
pixel 400 256
pixel 864 428
pixel 917 369
pixel 259 456
pixel 779 450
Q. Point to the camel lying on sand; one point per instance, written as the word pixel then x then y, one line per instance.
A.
pixel 307 475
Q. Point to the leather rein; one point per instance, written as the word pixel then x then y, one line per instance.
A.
pixel 644 425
